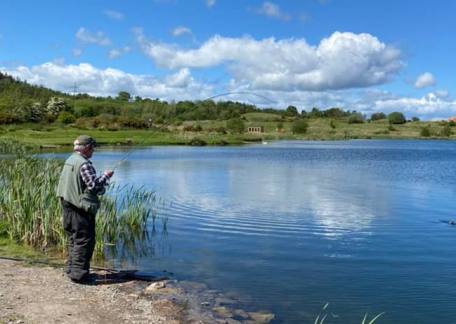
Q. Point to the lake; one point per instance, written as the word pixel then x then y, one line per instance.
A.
pixel 293 225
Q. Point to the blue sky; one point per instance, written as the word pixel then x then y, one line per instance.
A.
pixel 359 55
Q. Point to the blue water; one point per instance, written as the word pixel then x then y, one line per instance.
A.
pixel 290 226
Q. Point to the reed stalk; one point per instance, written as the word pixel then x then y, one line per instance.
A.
pixel 30 212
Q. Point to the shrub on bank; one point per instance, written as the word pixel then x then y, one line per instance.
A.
pixel 425 131
pixel 356 118
pixel 66 117
pixel 299 126
pixel 396 118
pixel 446 131
pixel 235 125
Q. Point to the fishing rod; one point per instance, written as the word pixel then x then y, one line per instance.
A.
pixel 123 159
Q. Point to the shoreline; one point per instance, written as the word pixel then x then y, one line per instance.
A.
pixel 43 294
pixel 60 136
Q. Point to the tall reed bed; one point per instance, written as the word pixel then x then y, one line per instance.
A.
pixel 30 212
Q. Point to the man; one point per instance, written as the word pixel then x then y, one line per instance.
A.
pixel 78 190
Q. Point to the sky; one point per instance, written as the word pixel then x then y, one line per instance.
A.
pixel 369 56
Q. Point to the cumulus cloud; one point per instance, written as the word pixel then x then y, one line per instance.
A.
pixel 272 10
pixel 210 3
pixel 117 52
pixel 108 82
pixel 116 15
pixel 341 61
pixel 429 105
pixel 425 80
pixel 88 37
pixel 181 30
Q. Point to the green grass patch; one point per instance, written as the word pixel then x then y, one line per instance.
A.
pixel 262 117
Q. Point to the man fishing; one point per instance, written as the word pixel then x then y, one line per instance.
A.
pixel 78 190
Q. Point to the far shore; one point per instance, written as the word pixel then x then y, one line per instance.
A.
pixel 60 136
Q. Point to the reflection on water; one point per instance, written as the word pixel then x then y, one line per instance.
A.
pixel 293 225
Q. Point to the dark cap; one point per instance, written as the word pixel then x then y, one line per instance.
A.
pixel 85 140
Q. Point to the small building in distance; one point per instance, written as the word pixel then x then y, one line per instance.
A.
pixel 255 129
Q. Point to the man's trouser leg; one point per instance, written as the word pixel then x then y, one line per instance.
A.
pixel 80 226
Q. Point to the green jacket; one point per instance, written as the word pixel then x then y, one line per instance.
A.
pixel 72 189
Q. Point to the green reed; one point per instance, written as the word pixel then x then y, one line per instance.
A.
pixel 321 318
pixel 31 213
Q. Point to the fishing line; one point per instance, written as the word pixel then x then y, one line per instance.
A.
pixel 241 92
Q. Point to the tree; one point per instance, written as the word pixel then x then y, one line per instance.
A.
pixel 292 111
pixel 54 106
pixel 299 126
pixel 396 118
pixel 235 125
pixel 356 118
pixel 315 113
pixel 334 113
pixel 123 96
pixel 36 112
pixel 378 116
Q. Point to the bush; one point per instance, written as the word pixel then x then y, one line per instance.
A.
pixel 446 131
pixel 235 125
pixel 221 130
pixel 197 142
pixel 193 128
pixel 299 126
pixel 132 122
pixel 378 116
pixel 332 124
pixel 66 117
pixel 425 131
pixel 8 118
pixel 396 118
pixel 356 118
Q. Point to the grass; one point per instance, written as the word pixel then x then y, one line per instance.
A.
pixel 321 318
pixel 319 129
pixel 56 135
pixel 30 212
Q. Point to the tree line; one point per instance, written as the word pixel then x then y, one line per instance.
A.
pixel 21 102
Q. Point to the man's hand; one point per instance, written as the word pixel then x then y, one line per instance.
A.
pixel 108 173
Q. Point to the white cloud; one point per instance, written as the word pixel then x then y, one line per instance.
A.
pixel 117 52
pixel 425 80
pixel 108 82
pixel 210 3
pixel 341 61
pixel 77 52
pixel 116 15
pixel 181 30
pixel 429 105
pixel 272 10
pixel 88 37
